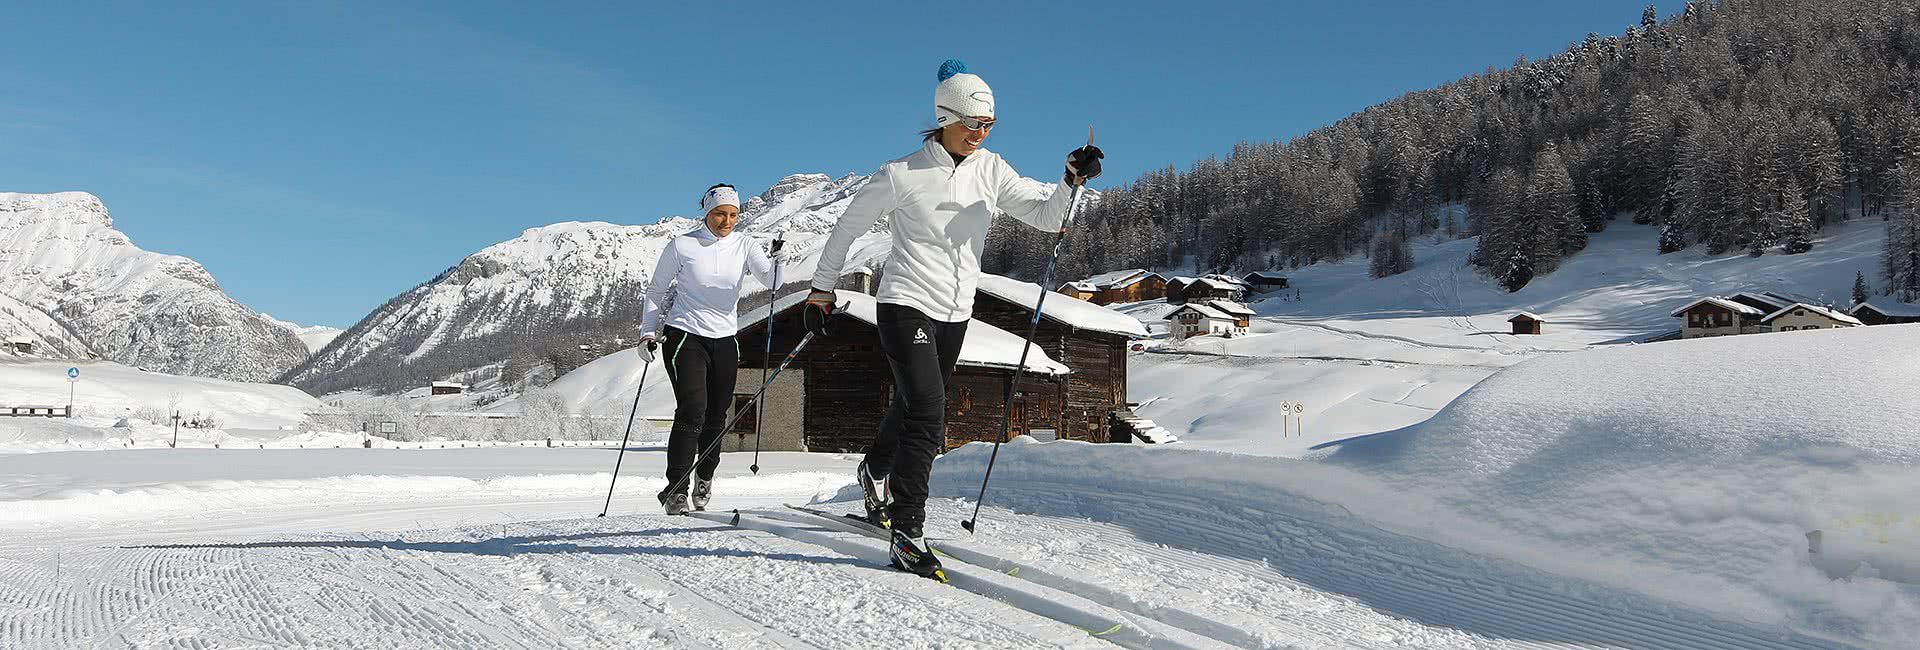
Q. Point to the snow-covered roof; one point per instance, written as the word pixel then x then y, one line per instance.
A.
pixel 1719 302
pixel 1117 279
pixel 1898 309
pixel 1267 275
pixel 1205 310
pixel 1067 310
pixel 1774 300
pixel 1834 314
pixel 1082 287
pixel 1527 315
pixel 1230 307
pixel 19 339
pixel 985 346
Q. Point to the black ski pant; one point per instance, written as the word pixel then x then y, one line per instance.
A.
pixel 922 352
pixel 703 371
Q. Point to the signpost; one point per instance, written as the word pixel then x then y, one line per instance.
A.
pixel 73 378
pixel 1292 411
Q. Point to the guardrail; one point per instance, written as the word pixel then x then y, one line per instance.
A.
pixel 36 411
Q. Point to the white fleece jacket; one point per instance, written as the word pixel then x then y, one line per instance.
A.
pixel 708 271
pixel 939 213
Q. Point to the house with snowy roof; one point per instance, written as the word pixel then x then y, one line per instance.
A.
pixel 1090 339
pixel 1182 290
pixel 1264 281
pixel 1203 318
pixel 1527 322
pixel 1802 316
pixel 834 395
pixel 22 345
pixel 1886 313
pixel 1130 285
pixel 1079 291
pixel 1713 316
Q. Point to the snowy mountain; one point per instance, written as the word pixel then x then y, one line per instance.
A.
pixel 562 278
pixel 315 337
pixel 79 285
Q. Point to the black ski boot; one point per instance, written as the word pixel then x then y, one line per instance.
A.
pixel 912 555
pixel 876 495
pixel 702 491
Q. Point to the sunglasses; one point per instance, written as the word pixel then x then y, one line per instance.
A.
pixel 971 123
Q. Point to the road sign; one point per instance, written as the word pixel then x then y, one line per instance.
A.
pixel 73 373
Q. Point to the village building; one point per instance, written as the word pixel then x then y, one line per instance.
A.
pixel 845 387
pixel 1131 285
pixel 1079 291
pixel 1090 339
pixel 1182 290
pixel 1801 316
pixel 21 345
pixel 1886 313
pixel 447 388
pixel 1711 316
pixel 1264 281
pixel 1526 323
pixel 1221 317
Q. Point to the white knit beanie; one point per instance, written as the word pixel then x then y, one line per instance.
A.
pixel 960 94
pixel 716 197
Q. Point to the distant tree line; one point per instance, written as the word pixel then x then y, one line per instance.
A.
pixel 1737 126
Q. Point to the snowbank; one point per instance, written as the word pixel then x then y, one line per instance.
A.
pixel 1688 472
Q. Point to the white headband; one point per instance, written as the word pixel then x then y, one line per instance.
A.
pixel 717 197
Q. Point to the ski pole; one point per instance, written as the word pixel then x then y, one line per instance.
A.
pixel 1006 413
pixel 625 436
pixel 681 483
pixel 766 360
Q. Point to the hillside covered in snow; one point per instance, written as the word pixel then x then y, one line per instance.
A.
pixel 77 285
pixel 565 278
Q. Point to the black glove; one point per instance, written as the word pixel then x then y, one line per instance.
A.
pixel 817 311
pixel 1083 164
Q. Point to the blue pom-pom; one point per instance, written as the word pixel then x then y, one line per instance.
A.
pixel 951 67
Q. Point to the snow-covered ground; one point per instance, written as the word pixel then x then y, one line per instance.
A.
pixel 109 394
pixel 1455 487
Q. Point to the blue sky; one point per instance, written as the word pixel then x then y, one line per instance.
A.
pixel 321 157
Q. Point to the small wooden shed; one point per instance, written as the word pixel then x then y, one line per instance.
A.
pixel 1526 323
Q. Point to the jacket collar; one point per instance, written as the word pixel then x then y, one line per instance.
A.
pixel 939 156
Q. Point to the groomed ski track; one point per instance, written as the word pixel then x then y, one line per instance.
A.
pixel 1070 571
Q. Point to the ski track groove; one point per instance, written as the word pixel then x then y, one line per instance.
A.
pixel 1396 583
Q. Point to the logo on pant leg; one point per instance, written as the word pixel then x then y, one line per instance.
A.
pixel 920 336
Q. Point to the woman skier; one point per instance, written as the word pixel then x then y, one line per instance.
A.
pixel 939 201
pixel 702 357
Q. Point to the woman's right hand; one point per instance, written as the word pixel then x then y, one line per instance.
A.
pixel 818 310
pixel 647 346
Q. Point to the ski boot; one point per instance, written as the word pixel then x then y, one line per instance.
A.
pixel 911 554
pixel 702 492
pixel 676 503
pixel 876 495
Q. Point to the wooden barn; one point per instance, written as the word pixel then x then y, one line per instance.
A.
pixel 1183 290
pixel 1090 339
pixel 1713 316
pixel 1526 322
pixel 1131 285
pixel 847 386
pixel 447 388
pixel 1079 291
pixel 1265 281
pixel 1888 313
